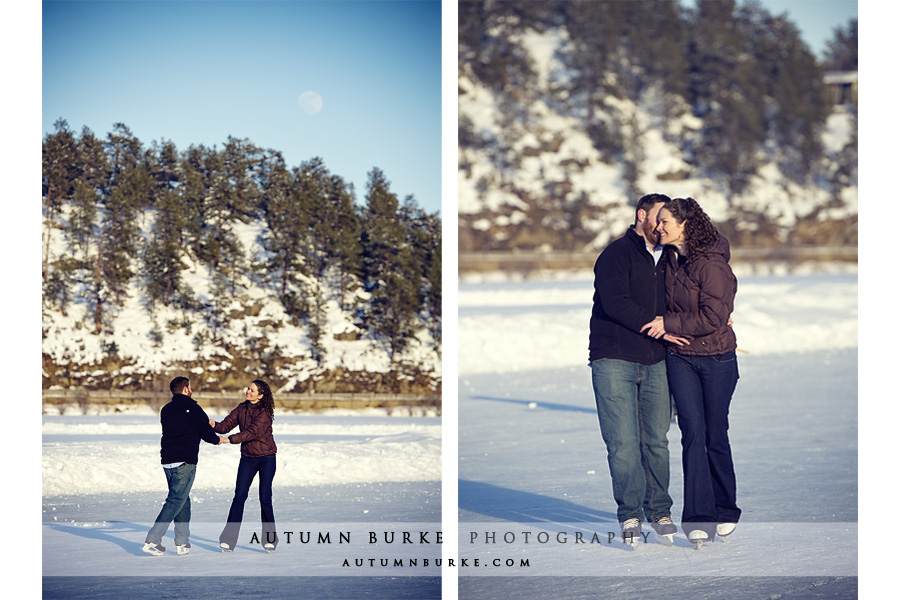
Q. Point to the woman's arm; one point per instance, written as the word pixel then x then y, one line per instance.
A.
pixel 715 303
pixel 258 425
pixel 228 423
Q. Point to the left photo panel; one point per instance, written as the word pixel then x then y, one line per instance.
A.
pixel 241 308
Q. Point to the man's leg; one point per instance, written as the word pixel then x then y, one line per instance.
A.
pixel 183 523
pixel 180 479
pixel 615 393
pixel 655 415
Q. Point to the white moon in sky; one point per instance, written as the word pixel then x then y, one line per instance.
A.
pixel 311 102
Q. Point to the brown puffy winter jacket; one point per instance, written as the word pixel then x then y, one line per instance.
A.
pixel 700 295
pixel 255 435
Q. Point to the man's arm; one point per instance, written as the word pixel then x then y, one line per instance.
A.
pixel 207 433
pixel 612 283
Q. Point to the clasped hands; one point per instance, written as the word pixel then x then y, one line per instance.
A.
pixel 222 439
pixel 656 329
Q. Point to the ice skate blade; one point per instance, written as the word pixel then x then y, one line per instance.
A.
pixel 698 541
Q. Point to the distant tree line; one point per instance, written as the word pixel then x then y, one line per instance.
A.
pixel 381 259
pixel 744 73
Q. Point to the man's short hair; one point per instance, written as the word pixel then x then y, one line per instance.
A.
pixel 178 384
pixel 647 202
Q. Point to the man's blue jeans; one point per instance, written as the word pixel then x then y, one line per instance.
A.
pixel 247 470
pixel 635 411
pixel 703 387
pixel 177 506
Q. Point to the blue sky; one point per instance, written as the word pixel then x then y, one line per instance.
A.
pixel 816 19
pixel 198 72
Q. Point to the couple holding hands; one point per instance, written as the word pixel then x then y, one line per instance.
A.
pixel 660 325
pixel 184 424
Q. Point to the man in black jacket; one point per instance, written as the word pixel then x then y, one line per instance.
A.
pixel 628 372
pixel 184 424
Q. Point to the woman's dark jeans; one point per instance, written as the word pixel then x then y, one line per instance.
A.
pixel 247 470
pixel 702 387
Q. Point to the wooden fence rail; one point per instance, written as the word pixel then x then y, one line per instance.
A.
pixel 532 260
pixel 230 399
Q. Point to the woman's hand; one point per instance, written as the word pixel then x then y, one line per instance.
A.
pixel 655 328
pixel 678 341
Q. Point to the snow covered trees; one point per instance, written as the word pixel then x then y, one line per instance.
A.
pixel 559 94
pixel 119 217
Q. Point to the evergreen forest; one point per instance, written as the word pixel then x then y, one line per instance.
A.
pixel 126 222
pixel 733 89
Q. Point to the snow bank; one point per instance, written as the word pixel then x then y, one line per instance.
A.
pixel 543 324
pixel 99 455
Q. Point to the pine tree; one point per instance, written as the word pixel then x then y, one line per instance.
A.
pixel 286 224
pixel 117 232
pixel 81 230
pixel 842 53
pixel 728 93
pixel 801 106
pixel 59 154
pixel 312 180
pixel 163 253
pixel 344 247
pixel 130 187
pixel 388 270
pixel 195 189
pixel 93 167
pixel 424 240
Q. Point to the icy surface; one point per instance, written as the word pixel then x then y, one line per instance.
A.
pixel 531 458
pixel 342 473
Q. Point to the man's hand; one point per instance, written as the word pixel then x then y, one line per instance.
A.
pixel 212 423
pixel 223 440
pixel 655 328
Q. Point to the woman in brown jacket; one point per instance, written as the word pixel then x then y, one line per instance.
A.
pixel 254 418
pixel 703 373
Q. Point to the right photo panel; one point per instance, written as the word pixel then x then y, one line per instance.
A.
pixel 657 299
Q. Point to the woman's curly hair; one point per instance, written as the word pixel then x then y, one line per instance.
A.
pixel 699 232
pixel 267 402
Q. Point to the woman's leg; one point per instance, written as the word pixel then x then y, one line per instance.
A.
pixel 267 466
pixel 699 511
pixel 246 472
pixel 720 375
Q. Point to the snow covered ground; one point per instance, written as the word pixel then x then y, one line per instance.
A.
pixel 341 478
pixel 530 461
pixel 533 480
